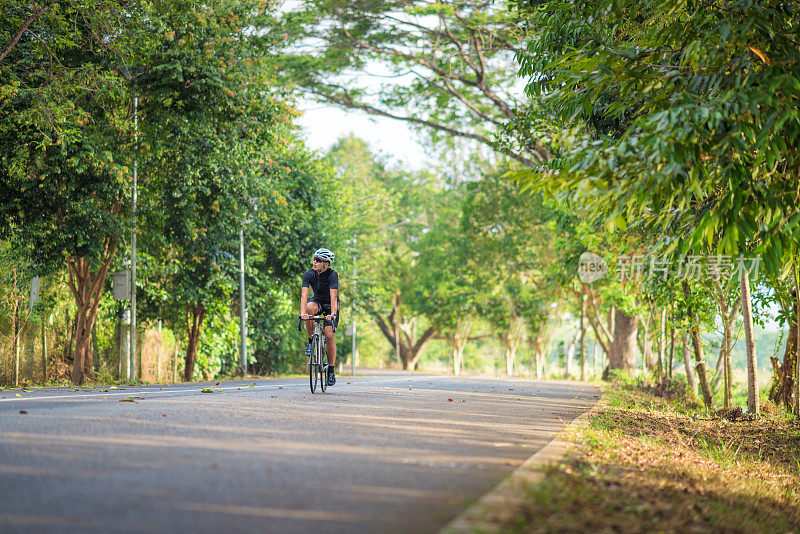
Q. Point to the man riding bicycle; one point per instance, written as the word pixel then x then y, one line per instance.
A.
pixel 325 301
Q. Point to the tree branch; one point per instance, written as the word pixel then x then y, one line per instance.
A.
pixel 345 100
pixel 22 29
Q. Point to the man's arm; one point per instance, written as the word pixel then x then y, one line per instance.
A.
pixel 334 302
pixel 303 302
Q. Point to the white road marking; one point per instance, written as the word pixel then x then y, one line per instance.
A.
pixel 135 392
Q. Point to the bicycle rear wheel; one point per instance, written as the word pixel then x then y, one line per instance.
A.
pixel 312 365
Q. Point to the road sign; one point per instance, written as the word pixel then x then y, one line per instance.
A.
pixel 35 283
pixel 122 285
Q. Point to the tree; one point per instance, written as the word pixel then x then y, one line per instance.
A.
pixel 669 123
pixel 445 67
pixel 509 251
pixel 62 137
pixel 220 153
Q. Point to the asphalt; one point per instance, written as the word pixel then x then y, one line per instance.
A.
pixel 386 453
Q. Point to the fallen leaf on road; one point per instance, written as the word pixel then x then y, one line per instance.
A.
pixel 18 395
pixel 163 415
pixel 113 387
pixel 280 387
pixel 216 384
pixel 274 396
pixel 207 390
pixel 103 391
pixel 23 412
pixel 449 400
pixel 127 399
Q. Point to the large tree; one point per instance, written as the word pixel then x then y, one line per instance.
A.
pixel 220 152
pixel 62 138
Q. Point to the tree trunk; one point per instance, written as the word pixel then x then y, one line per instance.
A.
pixel 700 364
pixel 570 355
pixel 750 346
pixel 74 323
pixel 727 314
pixel 623 347
pixel 459 341
pixel 401 335
pixel 796 404
pixel 646 346
pixel 16 330
pixel 511 343
pixel 687 365
pixel 602 334
pixel 44 352
pixel 582 341
pixel 87 288
pixel 198 313
pixel 783 373
pixel 540 344
pixel 662 345
pixel 671 352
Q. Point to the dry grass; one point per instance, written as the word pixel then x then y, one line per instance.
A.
pixel 645 464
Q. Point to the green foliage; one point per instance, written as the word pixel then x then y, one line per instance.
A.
pixel 61 171
pixel 678 118
pixel 445 67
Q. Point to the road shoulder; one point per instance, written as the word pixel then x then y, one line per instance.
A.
pixel 504 502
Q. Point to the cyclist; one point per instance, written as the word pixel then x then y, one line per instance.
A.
pixel 325 301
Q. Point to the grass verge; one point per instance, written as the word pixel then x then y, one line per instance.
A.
pixel 647 464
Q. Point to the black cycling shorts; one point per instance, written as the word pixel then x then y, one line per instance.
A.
pixel 325 309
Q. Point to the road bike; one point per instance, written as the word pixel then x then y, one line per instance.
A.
pixel 318 361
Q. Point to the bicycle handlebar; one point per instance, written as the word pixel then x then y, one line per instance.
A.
pixel 316 318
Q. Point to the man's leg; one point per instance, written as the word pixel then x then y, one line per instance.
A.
pixel 330 349
pixel 330 346
pixel 312 308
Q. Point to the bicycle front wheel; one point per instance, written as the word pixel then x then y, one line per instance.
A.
pixel 323 378
pixel 312 366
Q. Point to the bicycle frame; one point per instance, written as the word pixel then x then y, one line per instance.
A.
pixel 317 362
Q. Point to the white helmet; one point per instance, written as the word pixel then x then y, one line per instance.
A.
pixel 324 254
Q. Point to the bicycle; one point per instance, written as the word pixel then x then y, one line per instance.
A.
pixel 318 362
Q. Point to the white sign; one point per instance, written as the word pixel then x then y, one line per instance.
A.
pixel 122 285
pixel 35 283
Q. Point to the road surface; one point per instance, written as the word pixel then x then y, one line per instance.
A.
pixel 387 453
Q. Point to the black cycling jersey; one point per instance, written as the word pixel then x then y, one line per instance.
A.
pixel 321 283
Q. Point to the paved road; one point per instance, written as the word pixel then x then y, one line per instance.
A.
pixel 392 453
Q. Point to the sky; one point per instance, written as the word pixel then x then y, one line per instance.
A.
pixel 323 125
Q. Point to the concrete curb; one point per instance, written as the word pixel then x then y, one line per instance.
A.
pixel 502 504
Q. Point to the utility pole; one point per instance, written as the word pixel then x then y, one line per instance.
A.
pixel 353 356
pixel 132 356
pixel 242 307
